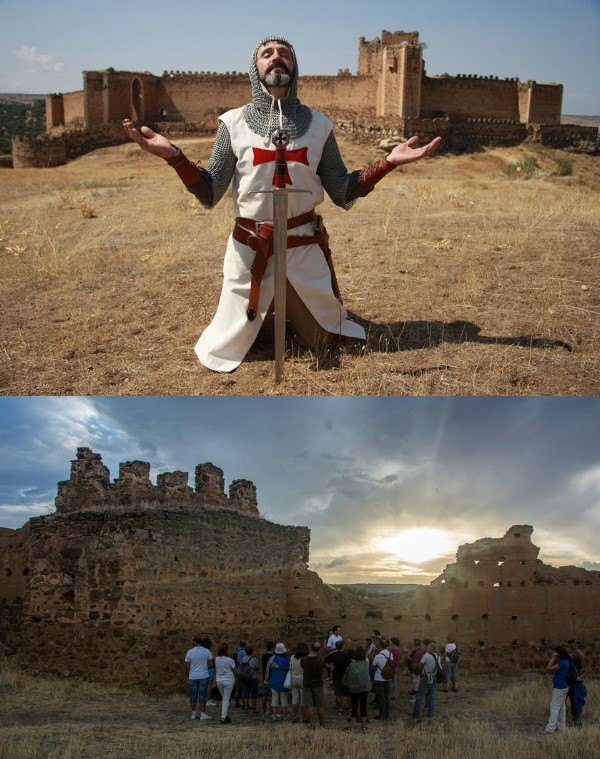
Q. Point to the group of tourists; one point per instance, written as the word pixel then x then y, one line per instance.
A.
pixel 279 679
pixel 280 684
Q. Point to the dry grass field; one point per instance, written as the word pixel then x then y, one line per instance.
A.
pixel 468 281
pixel 486 719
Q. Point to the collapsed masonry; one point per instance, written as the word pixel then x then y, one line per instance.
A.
pixel 114 584
pixel 89 487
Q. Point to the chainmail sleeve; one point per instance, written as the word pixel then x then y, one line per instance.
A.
pixel 342 186
pixel 218 171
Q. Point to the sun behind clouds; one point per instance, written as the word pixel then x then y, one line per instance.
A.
pixel 417 544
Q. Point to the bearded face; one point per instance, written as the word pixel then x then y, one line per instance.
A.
pixel 275 64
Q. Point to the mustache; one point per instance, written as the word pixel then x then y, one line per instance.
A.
pixel 278 64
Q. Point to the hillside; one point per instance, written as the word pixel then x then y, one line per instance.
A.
pixel 20 116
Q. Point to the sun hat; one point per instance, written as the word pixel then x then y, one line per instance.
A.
pixel 280 649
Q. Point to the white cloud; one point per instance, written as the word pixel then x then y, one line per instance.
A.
pixel 39 60
pixel 587 480
pixel 15 514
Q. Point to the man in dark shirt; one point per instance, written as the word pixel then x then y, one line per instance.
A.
pixel 313 667
pixel 339 661
pixel 266 688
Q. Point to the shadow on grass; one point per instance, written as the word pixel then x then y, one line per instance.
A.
pixel 405 336
pixel 394 337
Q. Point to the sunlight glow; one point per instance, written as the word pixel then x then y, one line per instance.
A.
pixel 416 545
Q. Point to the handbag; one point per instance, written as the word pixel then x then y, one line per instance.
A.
pixel 287 683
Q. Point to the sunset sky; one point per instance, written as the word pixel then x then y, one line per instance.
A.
pixel 390 487
pixel 44 46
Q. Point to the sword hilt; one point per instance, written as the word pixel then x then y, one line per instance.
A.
pixel 280 139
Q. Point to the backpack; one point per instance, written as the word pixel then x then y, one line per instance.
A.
pixel 573 674
pixel 387 671
pixel 454 656
pixel 440 675
pixel 245 671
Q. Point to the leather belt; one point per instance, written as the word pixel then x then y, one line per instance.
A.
pixel 258 236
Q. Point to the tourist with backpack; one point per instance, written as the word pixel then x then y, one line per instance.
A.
pixel 358 681
pixel 431 673
pixel 277 669
pixel 383 674
pixel 247 672
pixel 451 656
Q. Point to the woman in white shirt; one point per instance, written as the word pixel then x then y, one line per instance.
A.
pixel 224 673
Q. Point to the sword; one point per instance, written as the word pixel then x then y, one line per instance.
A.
pixel 280 140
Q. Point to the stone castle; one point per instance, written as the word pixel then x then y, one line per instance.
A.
pixel 391 95
pixel 114 584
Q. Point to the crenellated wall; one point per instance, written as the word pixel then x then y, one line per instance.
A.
pixel 391 83
pixel 113 586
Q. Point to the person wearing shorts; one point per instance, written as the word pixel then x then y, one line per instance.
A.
pixel 198 660
pixel 313 667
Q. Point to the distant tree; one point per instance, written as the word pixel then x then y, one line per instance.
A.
pixel 20 120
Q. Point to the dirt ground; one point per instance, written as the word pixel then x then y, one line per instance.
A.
pixel 466 281
pixel 173 714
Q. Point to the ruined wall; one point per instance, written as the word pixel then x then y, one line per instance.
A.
pixel 118 596
pixel 113 585
pixel 74 110
pixel 39 153
pixel 89 487
pixel 390 83
pixel 188 97
pixel 545 103
pixel 470 97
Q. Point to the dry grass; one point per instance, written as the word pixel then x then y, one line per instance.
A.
pixel 498 719
pixel 468 282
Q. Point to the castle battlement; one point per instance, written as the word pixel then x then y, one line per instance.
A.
pixel 89 487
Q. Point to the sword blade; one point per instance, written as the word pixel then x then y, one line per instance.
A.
pixel 280 204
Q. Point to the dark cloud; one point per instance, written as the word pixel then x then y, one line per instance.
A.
pixel 351 469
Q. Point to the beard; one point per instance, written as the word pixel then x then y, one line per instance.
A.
pixel 278 78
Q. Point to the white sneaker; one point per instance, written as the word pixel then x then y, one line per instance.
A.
pixel 204 715
pixel 194 715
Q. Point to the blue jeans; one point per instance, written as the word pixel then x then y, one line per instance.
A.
pixel 198 690
pixel 425 690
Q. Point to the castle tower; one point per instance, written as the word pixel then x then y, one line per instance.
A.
pixel 88 485
pixel 400 76
pixel 133 484
pixel 210 484
pixel 242 496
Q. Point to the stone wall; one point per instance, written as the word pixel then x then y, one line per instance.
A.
pixel 117 597
pixel 391 83
pixel 39 153
pixel 113 586
pixel 471 97
pixel 89 487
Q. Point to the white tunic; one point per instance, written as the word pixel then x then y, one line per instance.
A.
pixel 224 343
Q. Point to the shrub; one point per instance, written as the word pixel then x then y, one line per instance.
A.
pixel 523 169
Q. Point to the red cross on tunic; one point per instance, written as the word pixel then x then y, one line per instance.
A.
pixel 266 156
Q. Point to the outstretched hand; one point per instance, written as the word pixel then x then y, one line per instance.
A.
pixel 408 152
pixel 152 142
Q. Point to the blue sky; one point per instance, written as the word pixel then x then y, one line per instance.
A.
pixel 45 45
pixel 362 473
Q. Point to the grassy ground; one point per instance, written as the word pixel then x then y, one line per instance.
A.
pixel 491 719
pixel 468 282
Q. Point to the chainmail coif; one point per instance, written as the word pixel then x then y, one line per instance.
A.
pixel 261 115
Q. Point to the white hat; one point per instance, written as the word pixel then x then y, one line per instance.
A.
pixel 280 649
